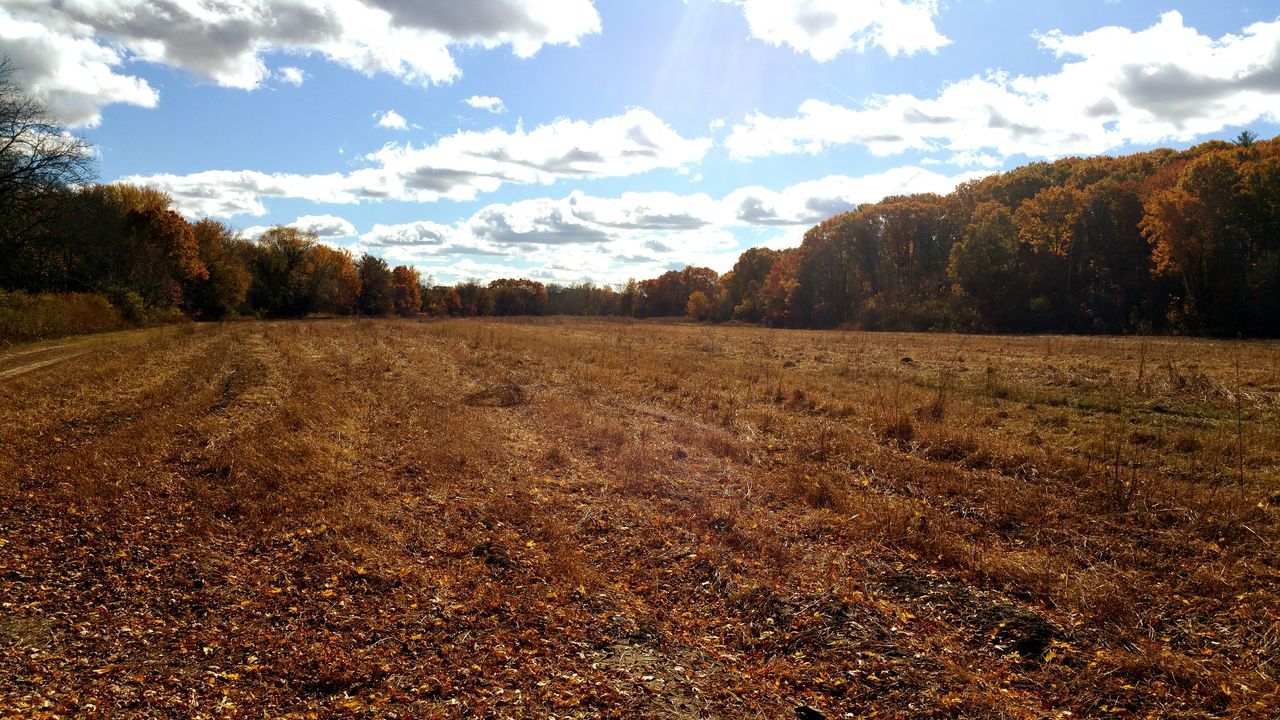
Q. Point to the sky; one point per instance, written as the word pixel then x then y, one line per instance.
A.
pixel 600 140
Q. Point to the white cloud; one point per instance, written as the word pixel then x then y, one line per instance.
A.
pixel 826 28
pixel 325 226
pixel 457 167
pixel 392 119
pixel 227 193
pixel 810 202
pixel 487 103
pixel 421 232
pixel 291 76
pixel 1118 86
pixel 73 77
pixel 226 42
pixel 581 236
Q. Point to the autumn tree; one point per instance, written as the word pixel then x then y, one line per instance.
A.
pixel 1050 223
pixel 1260 209
pixel 518 297
pixel 452 303
pixel 226 283
pixel 830 276
pixel 475 298
pixel 1192 226
pixel 776 296
pixel 120 239
pixel 406 290
pixel 1114 283
pixel 630 298
pixel 699 306
pixel 747 278
pixel 331 280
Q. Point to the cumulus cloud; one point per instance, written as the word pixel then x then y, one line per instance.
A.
pixel 809 202
pixel 582 236
pixel 325 227
pixel 487 103
pixel 393 120
pixel 827 28
pixel 457 167
pixel 421 232
pixel 73 77
pixel 1115 86
pixel 657 211
pixel 291 76
pixel 226 42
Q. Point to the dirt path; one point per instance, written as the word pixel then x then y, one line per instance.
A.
pixel 33 351
pixel 14 372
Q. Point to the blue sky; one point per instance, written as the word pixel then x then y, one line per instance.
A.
pixel 603 139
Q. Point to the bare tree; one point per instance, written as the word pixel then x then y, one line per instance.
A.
pixel 38 160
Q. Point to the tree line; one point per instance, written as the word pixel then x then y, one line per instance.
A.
pixel 1160 241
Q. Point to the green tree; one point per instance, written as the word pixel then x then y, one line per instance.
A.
pixel 279 287
pixel 376 297
pixel 984 264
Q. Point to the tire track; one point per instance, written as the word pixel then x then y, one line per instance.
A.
pixel 23 369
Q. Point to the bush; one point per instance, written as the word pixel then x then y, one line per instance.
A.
pixel 130 305
pixel 25 317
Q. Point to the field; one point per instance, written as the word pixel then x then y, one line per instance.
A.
pixel 561 519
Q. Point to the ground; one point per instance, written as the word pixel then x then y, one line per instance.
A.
pixel 564 518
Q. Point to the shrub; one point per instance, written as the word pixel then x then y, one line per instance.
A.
pixel 25 317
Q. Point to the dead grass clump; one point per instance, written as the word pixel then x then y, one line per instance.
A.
pixel 933 411
pixel 717 442
pixel 1187 442
pixel 1189 379
pixel 817 490
pixel 325 669
pixel 602 436
pixel 894 426
pixel 1023 574
pixel 555 457
pixel 994 387
pixel 638 471
pixel 1144 438
pixel 950 449
pixel 820 444
pixel 503 394
pixel 800 400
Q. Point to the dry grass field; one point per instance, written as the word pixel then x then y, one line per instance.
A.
pixel 563 519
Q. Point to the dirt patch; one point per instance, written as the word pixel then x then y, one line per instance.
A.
pixel 1018 629
pixel 505 394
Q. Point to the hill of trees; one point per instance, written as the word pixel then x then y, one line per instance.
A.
pixel 1161 241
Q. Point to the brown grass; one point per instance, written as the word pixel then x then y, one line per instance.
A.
pixel 590 519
